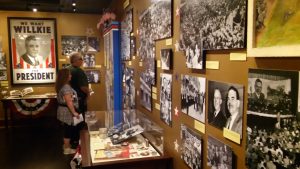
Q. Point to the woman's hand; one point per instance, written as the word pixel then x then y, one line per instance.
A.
pixel 76 115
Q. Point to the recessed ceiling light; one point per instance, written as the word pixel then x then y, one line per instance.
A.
pixel 73 4
pixel 34 9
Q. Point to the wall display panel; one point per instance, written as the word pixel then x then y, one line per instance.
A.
pixel 273 28
pixel 89 60
pixel 219 155
pixel 166 57
pixel 193 96
pixel 126 29
pixel 93 44
pixel 191 151
pixel 129 93
pixel 93 76
pixel 225 106
pixel 32 50
pixel 3 65
pixel 132 46
pixel 70 44
pixel 145 92
pixel 272 118
pixel 166 98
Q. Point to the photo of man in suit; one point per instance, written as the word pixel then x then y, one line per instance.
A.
pixel 217 116
pixel 32 47
pixel 235 120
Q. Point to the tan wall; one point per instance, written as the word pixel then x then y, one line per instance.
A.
pixel 229 71
pixel 67 24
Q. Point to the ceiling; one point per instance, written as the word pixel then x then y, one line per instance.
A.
pixel 82 6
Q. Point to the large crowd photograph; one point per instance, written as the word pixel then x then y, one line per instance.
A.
pixel 126 29
pixel 129 93
pixel 145 93
pixel 273 119
pixel 191 148
pixel 70 44
pixel 193 96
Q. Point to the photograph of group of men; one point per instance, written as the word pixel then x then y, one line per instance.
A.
pixel 225 107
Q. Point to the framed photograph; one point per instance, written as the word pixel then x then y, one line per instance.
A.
pixel 193 96
pixel 66 65
pixel 126 29
pixel 166 57
pixel 225 106
pixel 93 76
pixel 150 71
pixel 166 98
pixel 219 155
pixel 3 65
pixel 129 89
pixel 273 118
pixel 273 32
pixel 191 147
pixel 33 50
pixel 3 75
pixel 89 60
pixel 145 92
pixel 93 44
pixel 132 46
pixel 70 44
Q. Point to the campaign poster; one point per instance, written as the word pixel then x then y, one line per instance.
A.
pixel 33 50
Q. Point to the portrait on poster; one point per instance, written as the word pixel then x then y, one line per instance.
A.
pixel 33 50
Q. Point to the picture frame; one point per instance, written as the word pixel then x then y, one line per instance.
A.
pixel 93 76
pixel 292 50
pixel 33 50
pixel 166 57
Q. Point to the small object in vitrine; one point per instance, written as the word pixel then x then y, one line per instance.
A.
pixel 124 143
pixel 115 136
pixel 147 142
pixel 145 153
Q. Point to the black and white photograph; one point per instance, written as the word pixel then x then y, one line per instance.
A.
pixel 93 76
pixel 145 93
pixel 150 71
pixel 219 155
pixel 225 106
pixel 272 119
pixel 126 29
pixel 93 44
pixel 166 98
pixel 211 25
pixel 3 65
pixel 129 93
pixel 191 147
pixel 89 60
pixel 70 44
pixel 193 96
pixel 3 75
pixel 132 46
pixel 66 65
pixel 166 57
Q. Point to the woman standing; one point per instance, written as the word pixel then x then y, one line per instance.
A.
pixel 67 104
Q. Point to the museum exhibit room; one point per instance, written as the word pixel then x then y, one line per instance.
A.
pixel 149 84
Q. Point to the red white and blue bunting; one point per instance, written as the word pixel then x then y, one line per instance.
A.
pixel 32 106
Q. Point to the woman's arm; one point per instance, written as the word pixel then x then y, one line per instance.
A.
pixel 69 102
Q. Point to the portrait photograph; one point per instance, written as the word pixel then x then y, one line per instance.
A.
pixel 89 60
pixel 3 75
pixel 193 96
pixel 33 48
pixel 219 155
pixel 93 44
pixel 273 119
pixel 191 147
pixel 126 29
pixel 166 98
pixel 129 93
pixel 145 93
pixel 225 106
pixel 93 76
pixel 70 44
pixel 166 57
pixel 3 65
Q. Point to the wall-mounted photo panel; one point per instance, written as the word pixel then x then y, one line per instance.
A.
pixel 126 29
pixel 166 98
pixel 93 44
pixel 93 76
pixel 129 90
pixel 150 71
pixel 219 155
pixel 89 60
pixel 272 118
pixel 3 65
pixel 70 44
pixel 191 147
pixel 225 106
pixel 145 93
pixel 3 75
pixel 193 96
pixel 132 46
pixel 166 57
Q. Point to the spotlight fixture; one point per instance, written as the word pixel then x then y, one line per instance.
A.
pixel 73 4
pixel 34 9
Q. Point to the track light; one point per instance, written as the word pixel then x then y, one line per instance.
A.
pixel 34 9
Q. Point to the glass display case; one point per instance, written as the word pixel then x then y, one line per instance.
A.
pixel 135 137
